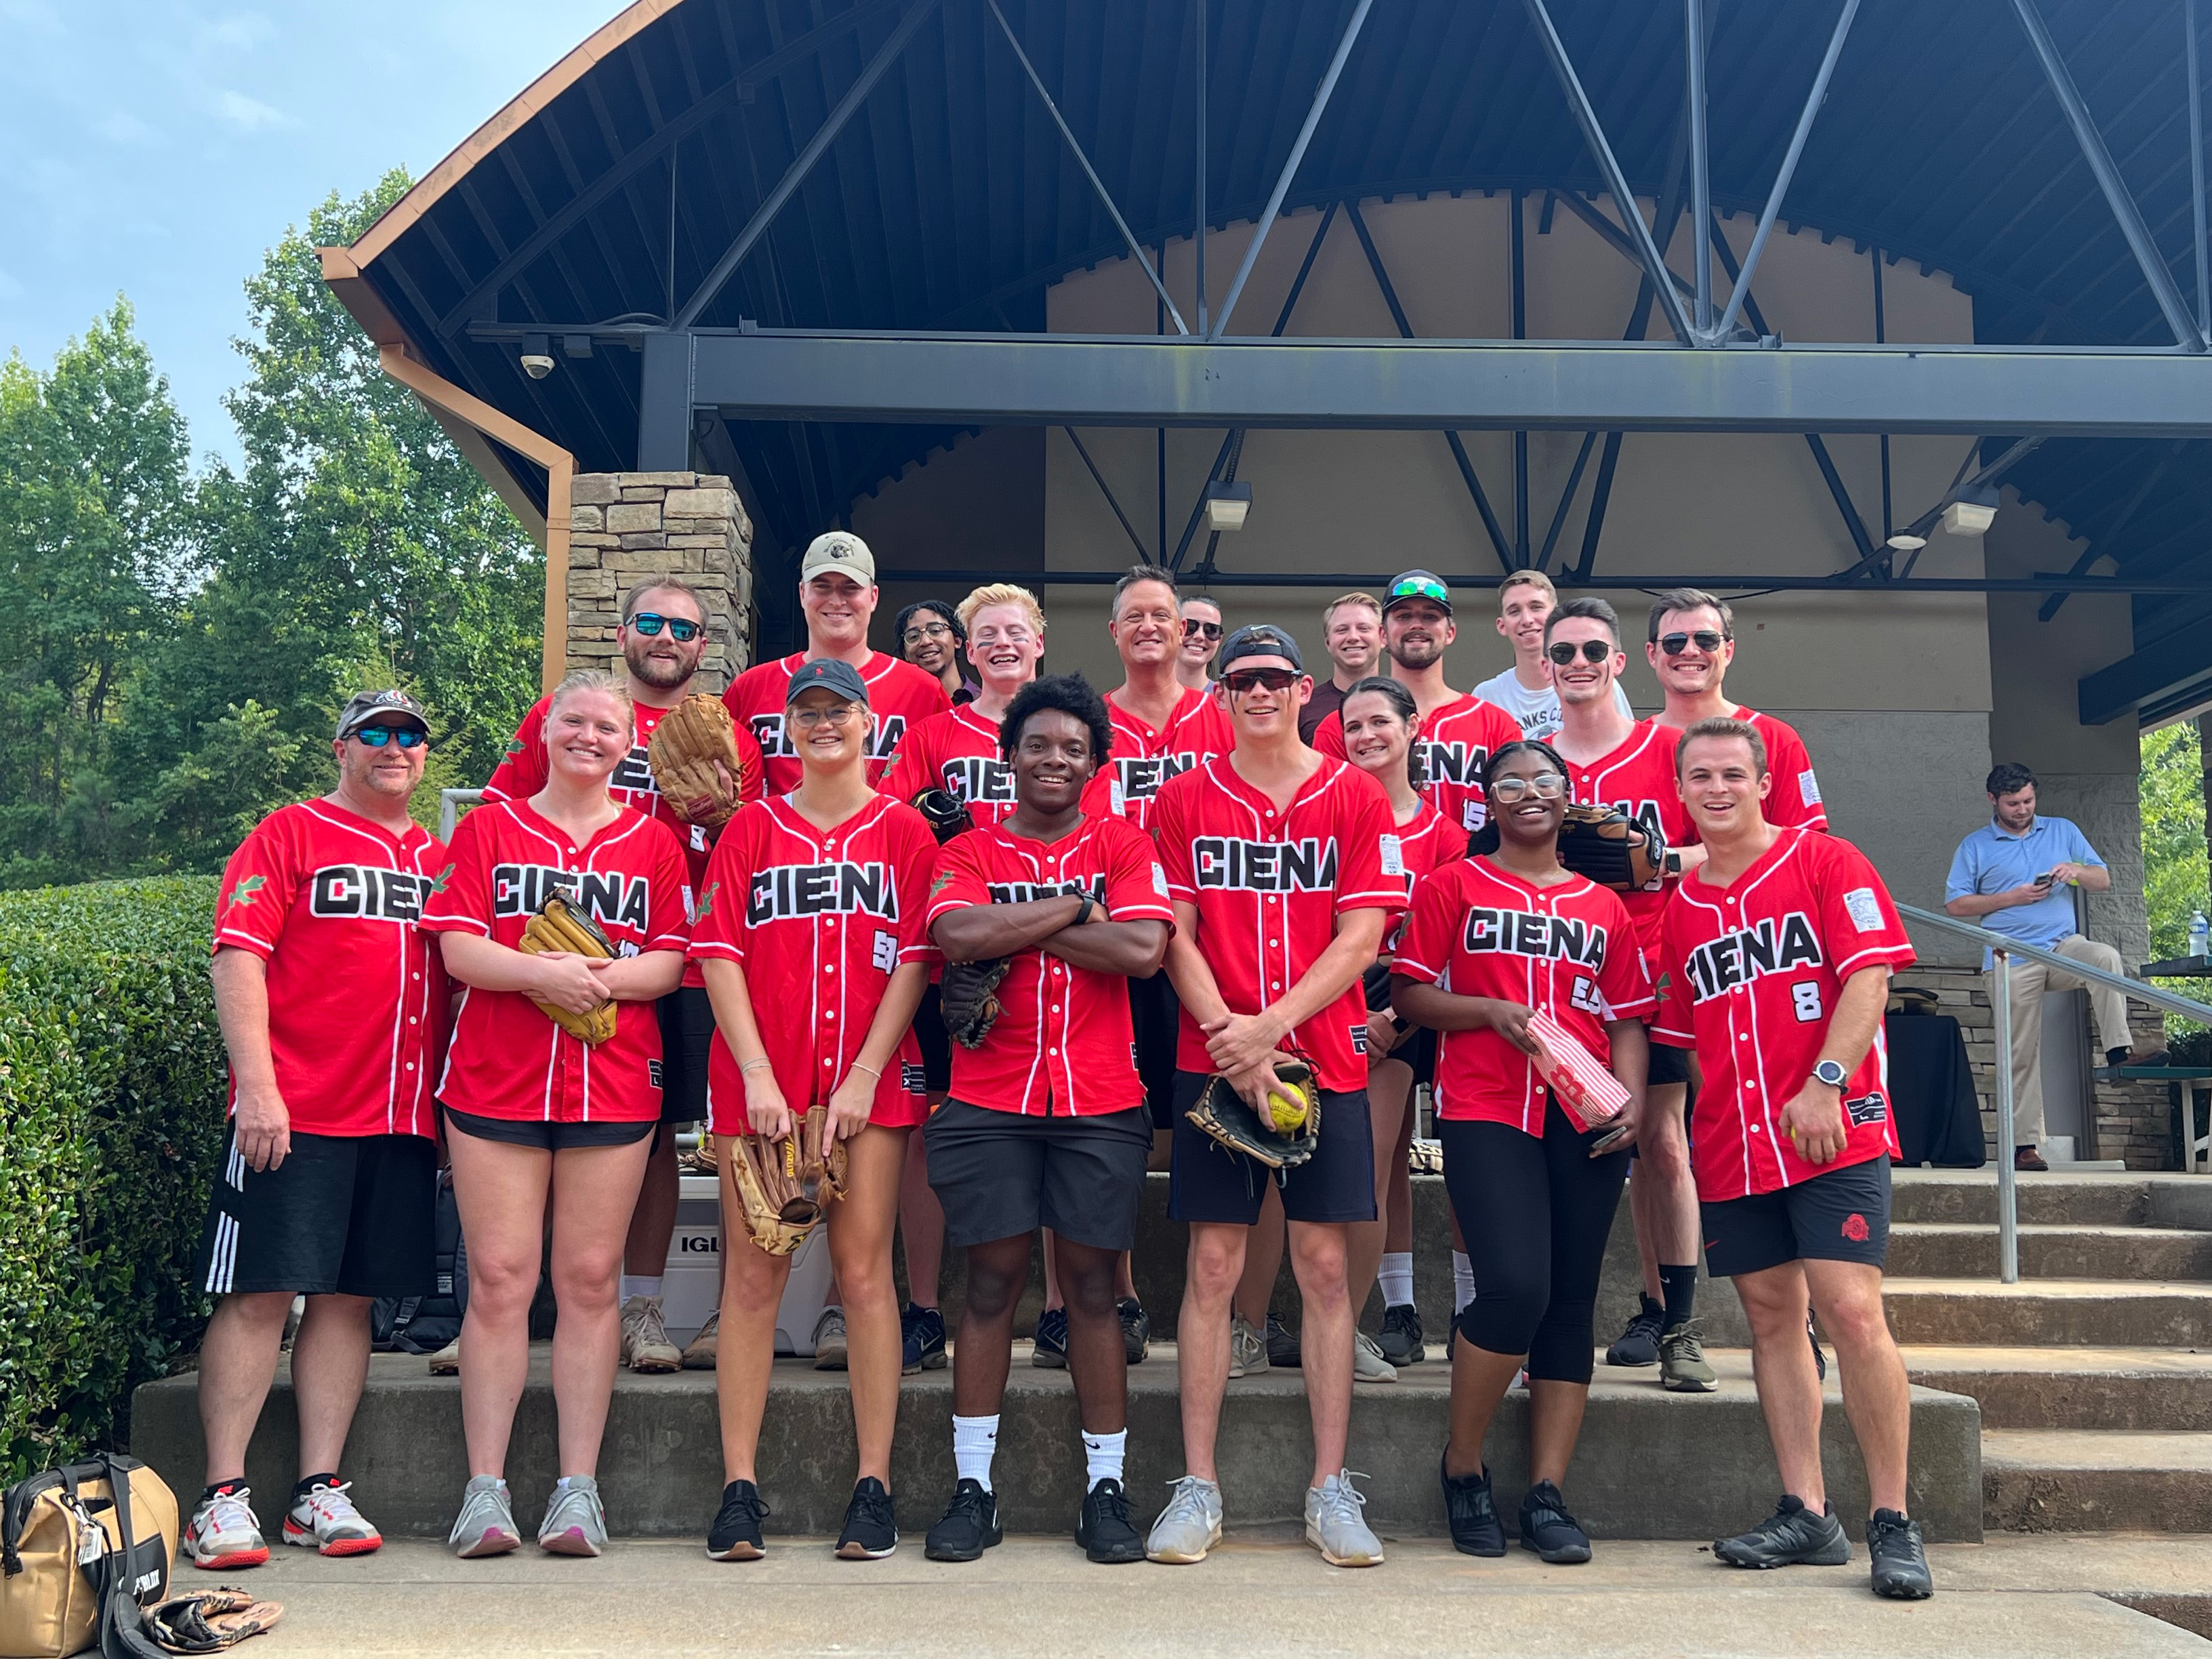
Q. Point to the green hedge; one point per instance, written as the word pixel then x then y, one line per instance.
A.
pixel 111 1127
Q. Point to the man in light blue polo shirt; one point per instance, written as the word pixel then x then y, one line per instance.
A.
pixel 2016 876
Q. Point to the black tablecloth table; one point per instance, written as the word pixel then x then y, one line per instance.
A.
pixel 1931 1085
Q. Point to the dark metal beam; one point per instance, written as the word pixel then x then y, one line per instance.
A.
pixel 1701 170
pixel 1198 190
pixel 2097 548
pixel 664 402
pixel 2197 241
pixel 1144 554
pixel 802 164
pixel 2160 673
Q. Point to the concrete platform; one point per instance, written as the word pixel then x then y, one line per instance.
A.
pixel 1652 1464
pixel 2092 1479
pixel 2050 1312
pixel 2058 1198
pixel 1937 1249
pixel 1250 1599
pixel 2140 1389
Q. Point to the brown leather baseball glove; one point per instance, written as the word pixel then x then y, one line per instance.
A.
pixel 560 927
pixel 1611 848
pixel 693 758
pixel 783 1184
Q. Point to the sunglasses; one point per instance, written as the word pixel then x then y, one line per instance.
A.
pixel 1192 625
pixel 1675 644
pixel 1592 651
pixel 1545 786
pixel 1421 588
pixel 681 630
pixel 407 737
pixel 1249 679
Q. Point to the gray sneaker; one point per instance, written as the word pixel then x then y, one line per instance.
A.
pixel 1335 1526
pixel 575 1522
pixel 830 1340
pixel 1189 1526
pixel 1247 1349
pixel 485 1525
pixel 644 1343
pixel 1368 1364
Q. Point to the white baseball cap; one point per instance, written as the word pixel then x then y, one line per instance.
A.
pixel 841 550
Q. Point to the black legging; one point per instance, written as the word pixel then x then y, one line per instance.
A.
pixel 1535 1215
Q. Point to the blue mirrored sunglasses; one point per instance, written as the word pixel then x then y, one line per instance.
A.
pixel 1420 589
pixel 681 630
pixel 407 737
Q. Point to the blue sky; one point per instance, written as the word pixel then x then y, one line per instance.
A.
pixel 157 147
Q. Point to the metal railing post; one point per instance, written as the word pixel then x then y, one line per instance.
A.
pixel 2008 1180
pixel 449 809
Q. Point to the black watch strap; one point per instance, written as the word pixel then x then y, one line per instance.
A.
pixel 1083 911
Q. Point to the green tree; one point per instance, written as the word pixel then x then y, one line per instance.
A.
pixel 2174 860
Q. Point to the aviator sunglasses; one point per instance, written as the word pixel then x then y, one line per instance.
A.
pixel 1705 639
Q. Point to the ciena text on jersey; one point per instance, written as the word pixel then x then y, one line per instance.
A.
pixel 1526 933
pixel 884 732
pixel 368 893
pixel 1769 945
pixel 784 892
pixel 1264 867
pixel 1026 892
pixel 979 778
pixel 607 896
pixel 1142 775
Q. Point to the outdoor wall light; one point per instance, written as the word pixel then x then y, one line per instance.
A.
pixel 1226 504
pixel 1906 542
pixel 1974 512
pixel 537 356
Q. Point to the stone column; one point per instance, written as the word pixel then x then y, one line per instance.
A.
pixel 626 528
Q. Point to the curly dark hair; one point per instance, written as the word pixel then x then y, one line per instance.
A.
pixel 1070 694
pixel 941 607
pixel 1485 839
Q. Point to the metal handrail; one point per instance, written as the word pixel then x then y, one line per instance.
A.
pixel 2003 946
pixel 449 809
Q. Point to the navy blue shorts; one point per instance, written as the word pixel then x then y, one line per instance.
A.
pixel 1839 1215
pixel 1209 1183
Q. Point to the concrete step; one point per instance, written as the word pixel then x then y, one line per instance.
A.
pixel 2050 1312
pixel 2059 1199
pixel 1965 1250
pixel 1651 1464
pixel 2140 1389
pixel 2096 1480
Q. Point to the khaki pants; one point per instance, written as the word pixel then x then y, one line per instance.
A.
pixel 2108 1010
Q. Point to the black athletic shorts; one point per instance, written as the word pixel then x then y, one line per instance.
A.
pixel 1669 1065
pixel 1208 1183
pixel 935 1042
pixel 548 1136
pixel 353 1215
pixel 1839 1215
pixel 687 1037
pixel 1155 1021
pixel 1418 1047
pixel 1001 1175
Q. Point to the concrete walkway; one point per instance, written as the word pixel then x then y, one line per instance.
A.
pixel 1251 1599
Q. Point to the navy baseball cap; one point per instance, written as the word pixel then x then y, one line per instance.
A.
pixel 364 708
pixel 831 674
pixel 1418 584
pixel 1259 640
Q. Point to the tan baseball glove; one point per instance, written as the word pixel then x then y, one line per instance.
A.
pixel 559 926
pixel 784 1183
pixel 693 758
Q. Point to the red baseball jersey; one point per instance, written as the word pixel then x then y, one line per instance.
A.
pixel 899 697
pixel 1793 802
pixel 1451 746
pixel 356 993
pixel 508 1060
pixel 1061 1044
pixel 1411 851
pixel 1750 974
pixel 1144 758
pixel 1477 930
pixel 819 920
pixel 956 751
pixel 1638 779
pixel 1269 885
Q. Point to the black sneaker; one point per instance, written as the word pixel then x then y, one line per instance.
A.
pixel 1820 1359
pixel 1402 1337
pixel 1472 1513
pixel 1640 1343
pixel 968 1526
pixel 870 1531
pixel 1051 1340
pixel 736 1534
pixel 1547 1529
pixel 1104 1528
pixel 923 1329
pixel 1136 1331
pixel 1900 1562
pixel 1793 1536
pixel 1282 1344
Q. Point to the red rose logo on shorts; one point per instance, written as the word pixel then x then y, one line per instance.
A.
pixel 1856 1228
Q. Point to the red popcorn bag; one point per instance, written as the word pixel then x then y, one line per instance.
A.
pixel 1582 1085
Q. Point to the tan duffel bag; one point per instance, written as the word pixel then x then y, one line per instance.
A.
pixel 63 1535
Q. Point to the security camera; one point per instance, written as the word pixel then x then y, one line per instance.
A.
pixel 537 356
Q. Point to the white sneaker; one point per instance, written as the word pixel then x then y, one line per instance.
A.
pixel 575 1520
pixel 1368 1364
pixel 1189 1526
pixel 446 1362
pixel 485 1525
pixel 1335 1527
pixel 1247 1349
pixel 224 1533
pixel 644 1343
pixel 324 1519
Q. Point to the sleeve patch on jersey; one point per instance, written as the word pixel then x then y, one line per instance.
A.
pixel 1809 788
pixel 442 879
pixel 887 953
pixel 1160 879
pixel 943 880
pixel 247 887
pixel 1393 856
pixel 1472 816
pixel 1120 802
pixel 1865 909
pixel 706 904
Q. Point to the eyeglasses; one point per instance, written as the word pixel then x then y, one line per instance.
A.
pixel 1192 625
pixel 920 631
pixel 1675 644
pixel 1421 587
pixel 1545 786
pixel 1248 679
pixel 807 719
pixel 681 630
pixel 1563 653
pixel 407 737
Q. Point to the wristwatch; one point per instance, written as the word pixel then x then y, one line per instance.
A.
pixel 1083 911
pixel 1832 1074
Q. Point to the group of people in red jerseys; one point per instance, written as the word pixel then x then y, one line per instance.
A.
pixel 1182 889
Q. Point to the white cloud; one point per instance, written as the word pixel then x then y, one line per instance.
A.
pixel 247 114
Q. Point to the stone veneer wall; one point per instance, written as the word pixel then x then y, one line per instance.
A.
pixel 627 527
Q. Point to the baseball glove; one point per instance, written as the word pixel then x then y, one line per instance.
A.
pixel 1285 1137
pixel 946 812
pixel 968 999
pixel 783 1184
pixel 1611 848
pixel 559 926
pixel 693 758
pixel 208 1621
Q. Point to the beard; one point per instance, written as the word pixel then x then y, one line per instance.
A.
pixel 1422 654
pixel 660 675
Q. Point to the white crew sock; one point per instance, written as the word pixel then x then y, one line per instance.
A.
pixel 1462 1280
pixel 1102 1455
pixel 1396 1278
pixel 638 1284
pixel 974 1441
